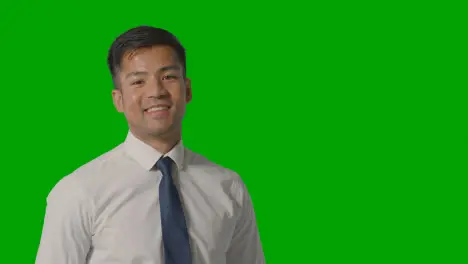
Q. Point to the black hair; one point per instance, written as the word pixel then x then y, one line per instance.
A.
pixel 142 37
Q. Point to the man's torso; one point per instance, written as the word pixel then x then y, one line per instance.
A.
pixel 124 204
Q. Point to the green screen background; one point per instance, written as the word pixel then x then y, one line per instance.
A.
pixel 345 120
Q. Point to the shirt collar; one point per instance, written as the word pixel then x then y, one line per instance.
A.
pixel 147 156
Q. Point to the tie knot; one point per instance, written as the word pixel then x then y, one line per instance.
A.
pixel 164 163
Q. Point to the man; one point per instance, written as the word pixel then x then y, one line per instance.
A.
pixel 150 200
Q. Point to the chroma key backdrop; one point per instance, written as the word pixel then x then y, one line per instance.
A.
pixel 345 120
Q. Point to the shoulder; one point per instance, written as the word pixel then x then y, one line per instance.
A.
pixel 199 163
pixel 79 182
pixel 213 173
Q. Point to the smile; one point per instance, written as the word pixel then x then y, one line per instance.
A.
pixel 157 108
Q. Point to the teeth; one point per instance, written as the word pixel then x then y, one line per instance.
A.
pixel 152 109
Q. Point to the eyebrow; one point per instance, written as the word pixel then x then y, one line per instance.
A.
pixel 163 69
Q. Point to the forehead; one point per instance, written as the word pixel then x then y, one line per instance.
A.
pixel 151 58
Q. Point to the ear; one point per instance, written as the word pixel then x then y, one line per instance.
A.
pixel 117 99
pixel 188 90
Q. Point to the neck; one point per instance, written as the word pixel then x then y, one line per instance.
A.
pixel 163 143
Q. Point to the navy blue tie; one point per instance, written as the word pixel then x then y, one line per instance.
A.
pixel 174 228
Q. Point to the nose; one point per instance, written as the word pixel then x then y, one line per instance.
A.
pixel 156 89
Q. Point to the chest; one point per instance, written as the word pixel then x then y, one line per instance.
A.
pixel 128 226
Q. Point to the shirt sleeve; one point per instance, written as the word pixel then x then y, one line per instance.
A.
pixel 245 246
pixel 66 233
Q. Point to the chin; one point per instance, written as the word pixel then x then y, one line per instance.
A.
pixel 160 131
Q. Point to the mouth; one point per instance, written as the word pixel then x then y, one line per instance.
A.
pixel 156 108
pixel 158 111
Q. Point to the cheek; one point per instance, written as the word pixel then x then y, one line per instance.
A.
pixel 178 93
pixel 132 104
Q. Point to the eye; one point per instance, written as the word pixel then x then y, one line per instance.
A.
pixel 170 77
pixel 138 82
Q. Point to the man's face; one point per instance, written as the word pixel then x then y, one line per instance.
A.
pixel 152 91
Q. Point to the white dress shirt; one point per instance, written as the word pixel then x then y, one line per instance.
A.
pixel 107 211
